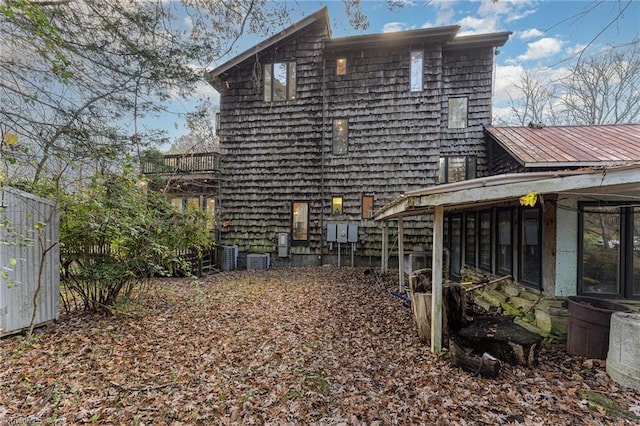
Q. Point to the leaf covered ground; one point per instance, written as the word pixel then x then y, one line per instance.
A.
pixel 319 345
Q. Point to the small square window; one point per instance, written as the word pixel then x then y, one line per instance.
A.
pixel 340 136
pixel 457 113
pixel 336 205
pixel 341 66
pixel 367 206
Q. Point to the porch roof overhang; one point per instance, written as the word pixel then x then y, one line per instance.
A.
pixel 489 190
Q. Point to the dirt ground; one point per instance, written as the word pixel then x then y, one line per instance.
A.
pixel 323 346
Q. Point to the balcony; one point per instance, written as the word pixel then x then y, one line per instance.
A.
pixel 196 163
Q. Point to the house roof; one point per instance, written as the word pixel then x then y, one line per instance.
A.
pixel 444 35
pixel 569 146
pixel 320 16
pixel 484 191
pixel 439 34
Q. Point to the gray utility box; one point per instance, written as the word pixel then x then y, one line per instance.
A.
pixel 332 232
pixel 342 232
pixel 283 244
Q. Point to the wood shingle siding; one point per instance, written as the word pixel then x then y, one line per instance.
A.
pixel 277 153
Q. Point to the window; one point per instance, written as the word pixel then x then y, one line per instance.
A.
pixel 457 113
pixel 210 206
pixel 530 246
pixel 340 136
pixel 300 212
pixel 504 247
pixel 367 206
pixel 455 169
pixel 280 81
pixel 609 263
pixel 470 239
pixel 484 240
pixel 341 66
pixel 177 203
pixel 193 203
pixel 455 247
pixel 416 71
pixel 336 205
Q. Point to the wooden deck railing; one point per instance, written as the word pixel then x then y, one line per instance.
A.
pixel 182 163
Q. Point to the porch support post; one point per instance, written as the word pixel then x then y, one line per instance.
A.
pixel 384 262
pixel 401 255
pixel 436 281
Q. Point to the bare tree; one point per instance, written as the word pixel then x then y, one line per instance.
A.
pixel 604 88
pixel 202 132
pixel 534 102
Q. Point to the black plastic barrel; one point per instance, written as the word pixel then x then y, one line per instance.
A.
pixel 588 325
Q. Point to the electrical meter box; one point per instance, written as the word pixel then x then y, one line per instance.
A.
pixel 342 232
pixel 352 233
pixel 332 231
pixel 283 244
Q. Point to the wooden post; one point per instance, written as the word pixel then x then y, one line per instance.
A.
pixel 384 264
pixel 401 255
pixel 436 280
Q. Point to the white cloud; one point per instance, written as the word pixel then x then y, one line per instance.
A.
pixel 542 48
pixel 527 34
pixel 444 12
pixel 512 17
pixel 188 22
pixel 391 27
pixel 505 80
pixel 576 49
pixel 470 25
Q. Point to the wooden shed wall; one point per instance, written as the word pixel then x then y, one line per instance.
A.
pixel 271 151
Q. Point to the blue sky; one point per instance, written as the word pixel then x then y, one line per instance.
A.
pixel 547 35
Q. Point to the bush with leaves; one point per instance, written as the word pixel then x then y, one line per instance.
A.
pixel 114 234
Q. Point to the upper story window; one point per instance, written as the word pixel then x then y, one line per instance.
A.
pixel 457 113
pixel 416 71
pixel 279 81
pixel 340 136
pixel 341 66
pixel 455 169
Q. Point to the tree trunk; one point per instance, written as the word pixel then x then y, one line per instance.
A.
pixel 485 365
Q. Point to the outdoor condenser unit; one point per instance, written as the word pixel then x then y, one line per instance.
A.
pixel 258 261
pixel 229 258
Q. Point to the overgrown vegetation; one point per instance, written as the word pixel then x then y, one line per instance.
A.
pixel 114 234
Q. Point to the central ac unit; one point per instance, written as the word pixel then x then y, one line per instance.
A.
pixel 258 261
